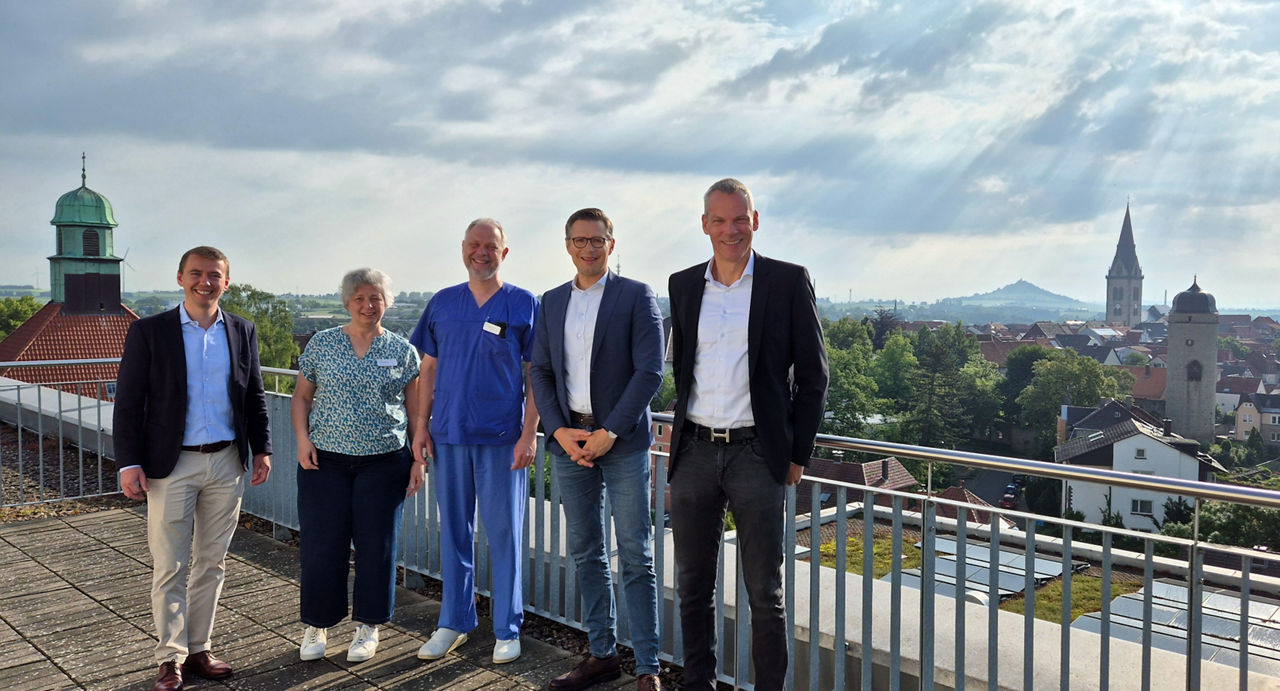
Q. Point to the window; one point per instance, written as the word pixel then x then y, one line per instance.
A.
pixel 1248 418
pixel 1139 453
pixel 1117 310
pixel 1137 292
pixel 91 247
pixel 1275 419
pixel 1275 436
pixel 1118 292
pixel 1140 507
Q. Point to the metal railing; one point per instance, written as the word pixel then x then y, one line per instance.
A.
pixel 850 630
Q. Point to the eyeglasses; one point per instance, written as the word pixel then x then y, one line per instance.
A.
pixel 596 242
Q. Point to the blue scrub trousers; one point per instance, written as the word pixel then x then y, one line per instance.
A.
pixel 464 474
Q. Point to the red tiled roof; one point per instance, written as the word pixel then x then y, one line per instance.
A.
pixel 1149 382
pixel 870 474
pixel 972 515
pixel 51 335
pixel 1239 385
pixel 997 352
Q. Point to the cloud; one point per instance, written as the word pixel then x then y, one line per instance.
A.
pixel 884 128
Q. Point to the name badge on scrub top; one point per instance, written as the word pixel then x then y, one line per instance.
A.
pixel 387 362
pixel 498 329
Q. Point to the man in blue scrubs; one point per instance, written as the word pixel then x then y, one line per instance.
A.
pixel 477 421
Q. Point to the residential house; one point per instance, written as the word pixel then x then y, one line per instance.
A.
pixel 1230 388
pixel 1132 445
pixel 1261 412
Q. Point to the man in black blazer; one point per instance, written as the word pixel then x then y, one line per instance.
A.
pixel 190 410
pixel 751 387
pixel 597 361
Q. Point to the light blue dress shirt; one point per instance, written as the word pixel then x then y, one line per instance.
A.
pixel 208 381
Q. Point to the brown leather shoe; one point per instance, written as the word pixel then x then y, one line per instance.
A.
pixel 590 671
pixel 204 664
pixel 649 682
pixel 169 679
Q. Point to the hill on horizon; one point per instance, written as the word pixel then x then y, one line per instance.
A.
pixel 1022 293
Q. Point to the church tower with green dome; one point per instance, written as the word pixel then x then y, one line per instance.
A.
pixel 84 273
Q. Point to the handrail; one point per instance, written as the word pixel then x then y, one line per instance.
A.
pixel 46 363
pixel 1239 494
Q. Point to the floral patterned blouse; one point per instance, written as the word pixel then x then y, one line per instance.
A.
pixel 358 408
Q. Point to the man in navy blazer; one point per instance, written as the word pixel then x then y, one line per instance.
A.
pixel 190 410
pixel 751 384
pixel 597 362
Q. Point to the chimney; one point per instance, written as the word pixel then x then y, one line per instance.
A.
pixel 1167 426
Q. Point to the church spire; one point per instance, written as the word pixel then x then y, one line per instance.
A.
pixel 1125 263
pixel 83 181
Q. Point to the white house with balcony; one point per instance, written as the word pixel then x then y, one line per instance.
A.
pixel 1132 446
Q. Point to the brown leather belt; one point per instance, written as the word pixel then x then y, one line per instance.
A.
pixel 726 435
pixel 213 447
pixel 581 419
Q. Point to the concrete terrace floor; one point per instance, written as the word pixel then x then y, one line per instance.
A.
pixel 75 614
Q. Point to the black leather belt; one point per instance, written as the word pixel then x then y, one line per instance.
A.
pixel 581 419
pixel 214 447
pixel 720 435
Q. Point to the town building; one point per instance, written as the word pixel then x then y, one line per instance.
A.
pixel 85 318
pixel 1192 362
pixel 1124 280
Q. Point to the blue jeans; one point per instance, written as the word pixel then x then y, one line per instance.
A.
pixel 467 477
pixel 626 479
pixel 350 499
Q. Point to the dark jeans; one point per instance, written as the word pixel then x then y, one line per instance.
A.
pixel 709 477
pixel 350 499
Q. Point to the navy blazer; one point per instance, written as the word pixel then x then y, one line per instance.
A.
pixel 626 362
pixel 151 393
pixel 786 359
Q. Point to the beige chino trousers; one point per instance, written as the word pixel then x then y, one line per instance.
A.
pixel 191 516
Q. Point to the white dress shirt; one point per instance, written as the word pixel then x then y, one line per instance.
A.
pixel 721 393
pixel 579 334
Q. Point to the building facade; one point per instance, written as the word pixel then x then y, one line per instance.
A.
pixel 1190 384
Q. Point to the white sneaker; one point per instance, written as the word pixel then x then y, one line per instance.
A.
pixel 506 651
pixel 441 643
pixel 313 643
pixel 364 645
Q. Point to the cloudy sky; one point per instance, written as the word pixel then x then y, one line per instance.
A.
pixel 901 150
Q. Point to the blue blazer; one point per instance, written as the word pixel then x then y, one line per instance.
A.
pixel 626 362
pixel 151 393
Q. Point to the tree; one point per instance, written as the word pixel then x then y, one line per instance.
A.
pixel 15 311
pixel 894 369
pixel 979 394
pixel 1238 349
pixel 1018 374
pixel 851 392
pixel 938 418
pixel 845 333
pixel 274 322
pixel 152 304
pixel 884 322
pixel 1135 359
pixel 1063 371
pixel 666 393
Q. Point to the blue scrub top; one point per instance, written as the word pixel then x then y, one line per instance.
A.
pixel 479 394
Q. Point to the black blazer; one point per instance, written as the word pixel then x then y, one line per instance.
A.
pixel 786 357
pixel 151 393
pixel 626 362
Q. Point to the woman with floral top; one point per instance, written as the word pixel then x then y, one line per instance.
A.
pixel 350 420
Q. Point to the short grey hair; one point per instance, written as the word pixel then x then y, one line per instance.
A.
pixel 486 221
pixel 729 186
pixel 365 276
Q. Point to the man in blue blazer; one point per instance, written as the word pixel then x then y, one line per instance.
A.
pixel 597 362
pixel 189 412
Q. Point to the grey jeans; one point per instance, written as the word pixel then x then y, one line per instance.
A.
pixel 709 477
